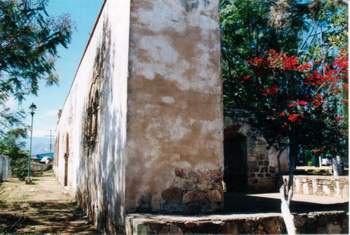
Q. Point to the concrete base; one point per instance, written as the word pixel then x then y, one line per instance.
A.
pixel 267 223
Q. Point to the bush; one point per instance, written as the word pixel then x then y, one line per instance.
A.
pixel 19 165
pixel 11 146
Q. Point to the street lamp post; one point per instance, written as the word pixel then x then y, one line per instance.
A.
pixel 32 109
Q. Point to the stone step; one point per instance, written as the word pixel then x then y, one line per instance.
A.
pixel 334 222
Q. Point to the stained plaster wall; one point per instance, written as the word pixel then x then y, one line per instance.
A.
pixel 175 119
pixel 159 132
pixel 97 176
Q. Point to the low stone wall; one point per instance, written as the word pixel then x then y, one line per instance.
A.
pixel 321 185
pixel 39 167
pixel 268 223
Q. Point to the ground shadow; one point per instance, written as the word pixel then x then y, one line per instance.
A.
pixel 45 217
pixel 242 203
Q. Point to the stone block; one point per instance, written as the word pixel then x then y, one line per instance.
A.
pixel 172 195
pixel 215 196
pixel 267 223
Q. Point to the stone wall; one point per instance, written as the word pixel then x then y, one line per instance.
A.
pixel 268 223
pixel 321 185
pixel 262 163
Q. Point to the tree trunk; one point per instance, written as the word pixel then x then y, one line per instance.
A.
pixel 286 190
pixel 280 151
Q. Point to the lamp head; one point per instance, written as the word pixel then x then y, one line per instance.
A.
pixel 32 108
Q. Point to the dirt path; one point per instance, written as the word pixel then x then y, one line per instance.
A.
pixel 40 208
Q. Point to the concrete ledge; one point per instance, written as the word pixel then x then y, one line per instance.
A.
pixel 267 223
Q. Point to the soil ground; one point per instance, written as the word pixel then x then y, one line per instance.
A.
pixel 42 207
pixel 45 207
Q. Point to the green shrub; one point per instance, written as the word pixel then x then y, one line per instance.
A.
pixel 19 166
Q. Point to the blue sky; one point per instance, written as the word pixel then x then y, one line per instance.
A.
pixel 51 98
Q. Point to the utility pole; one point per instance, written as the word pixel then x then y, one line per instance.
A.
pixel 50 136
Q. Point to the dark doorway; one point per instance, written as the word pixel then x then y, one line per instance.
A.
pixel 235 161
pixel 66 156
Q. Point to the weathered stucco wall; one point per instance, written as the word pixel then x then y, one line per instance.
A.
pixel 94 117
pixel 143 130
pixel 175 117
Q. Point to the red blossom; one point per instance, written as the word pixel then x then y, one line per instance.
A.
pixel 341 62
pixel 293 117
pixel 302 102
pixel 293 104
pixel 345 86
pixel 279 60
pixel 338 118
pixel 330 75
pixel 247 78
pixel 290 62
pixel 282 114
pixel 256 61
pixel 272 90
pixel 303 67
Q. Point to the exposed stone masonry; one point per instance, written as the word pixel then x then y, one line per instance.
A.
pixel 193 192
pixel 261 175
pixel 262 163
pixel 268 223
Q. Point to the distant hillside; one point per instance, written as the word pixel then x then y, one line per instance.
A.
pixel 40 145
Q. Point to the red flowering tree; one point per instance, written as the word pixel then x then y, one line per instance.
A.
pixel 296 101
pixel 297 104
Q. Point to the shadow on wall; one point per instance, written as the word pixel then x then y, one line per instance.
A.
pixel 101 185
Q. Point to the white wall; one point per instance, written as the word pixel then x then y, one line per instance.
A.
pixel 5 170
pixel 98 180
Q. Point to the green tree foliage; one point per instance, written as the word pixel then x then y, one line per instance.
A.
pixel 312 31
pixel 29 39
pixel 285 63
pixel 11 146
pixel 248 31
pixel 29 42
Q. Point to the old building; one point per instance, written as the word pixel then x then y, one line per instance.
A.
pixel 142 126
